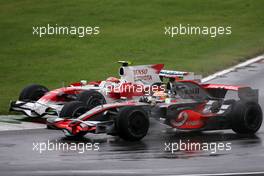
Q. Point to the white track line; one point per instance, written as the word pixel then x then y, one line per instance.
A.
pixel 13 122
pixel 240 65
pixel 5 126
pixel 137 171
pixel 224 174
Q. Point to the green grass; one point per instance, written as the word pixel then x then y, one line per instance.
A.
pixel 130 30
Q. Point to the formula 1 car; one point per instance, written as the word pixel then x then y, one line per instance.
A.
pixel 135 81
pixel 185 105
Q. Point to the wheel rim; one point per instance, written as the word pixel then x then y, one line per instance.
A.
pixel 138 124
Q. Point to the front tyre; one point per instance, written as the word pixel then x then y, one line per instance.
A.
pixel 32 92
pixel 91 98
pixel 132 123
pixel 246 117
pixel 73 109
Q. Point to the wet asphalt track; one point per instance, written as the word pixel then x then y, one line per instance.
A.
pixel 148 157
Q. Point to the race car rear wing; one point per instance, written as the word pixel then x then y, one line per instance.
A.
pixel 244 93
pixel 180 75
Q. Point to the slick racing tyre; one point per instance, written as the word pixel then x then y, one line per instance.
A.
pixel 91 98
pixel 73 109
pixel 32 93
pixel 132 123
pixel 246 117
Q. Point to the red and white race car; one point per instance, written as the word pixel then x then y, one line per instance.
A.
pixel 185 105
pixel 134 82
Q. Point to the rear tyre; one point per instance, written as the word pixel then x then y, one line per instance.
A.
pixel 246 117
pixel 32 93
pixel 132 123
pixel 73 109
pixel 91 98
